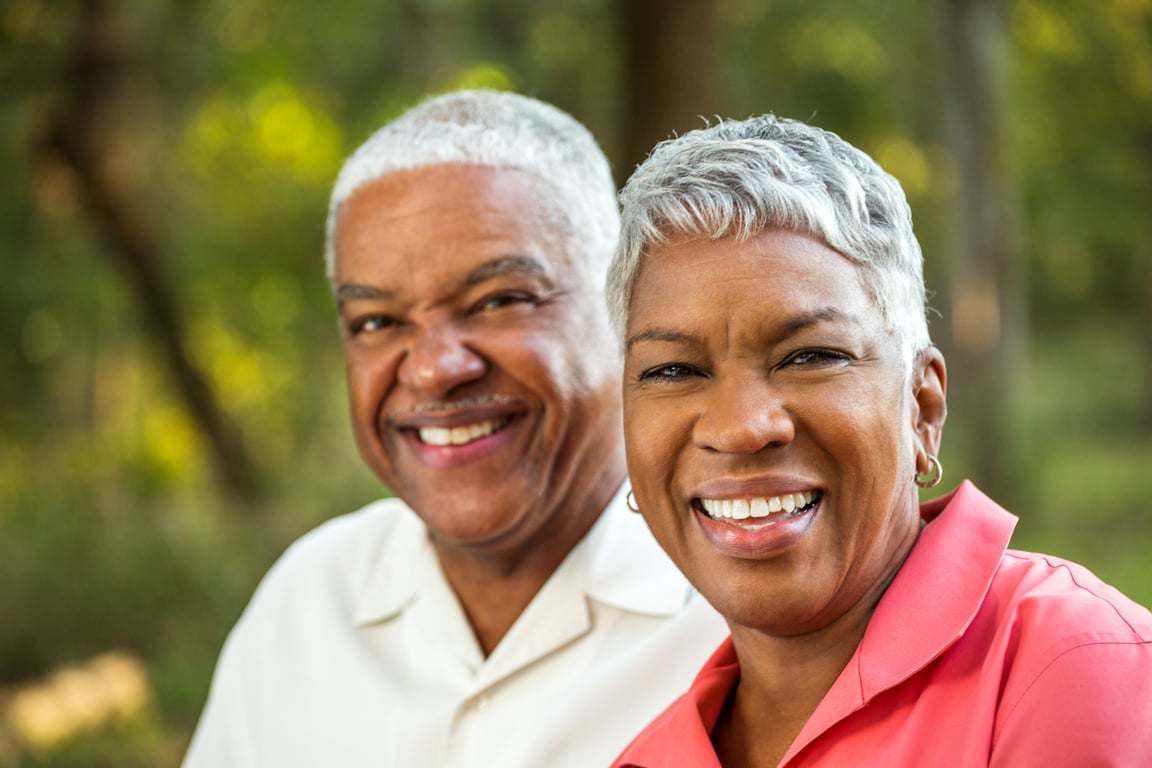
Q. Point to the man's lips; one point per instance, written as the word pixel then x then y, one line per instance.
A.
pixel 461 434
pixel 456 423
pixel 463 439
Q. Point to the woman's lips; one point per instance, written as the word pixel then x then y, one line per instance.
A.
pixel 759 508
pixel 759 527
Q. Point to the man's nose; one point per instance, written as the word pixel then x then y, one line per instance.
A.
pixel 438 360
pixel 743 418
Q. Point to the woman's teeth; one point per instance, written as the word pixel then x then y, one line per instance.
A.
pixel 439 436
pixel 742 509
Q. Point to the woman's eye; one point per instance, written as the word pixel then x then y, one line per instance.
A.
pixel 670 372
pixel 816 357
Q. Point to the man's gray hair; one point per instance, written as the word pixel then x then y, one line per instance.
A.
pixel 740 178
pixel 499 130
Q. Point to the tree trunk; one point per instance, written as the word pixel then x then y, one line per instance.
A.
pixel 667 74
pixel 130 240
pixel 986 297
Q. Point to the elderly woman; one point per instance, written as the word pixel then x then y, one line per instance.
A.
pixel 783 401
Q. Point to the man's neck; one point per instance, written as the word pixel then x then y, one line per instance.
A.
pixel 494 588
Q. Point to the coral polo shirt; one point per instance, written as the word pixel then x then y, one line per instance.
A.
pixel 976 656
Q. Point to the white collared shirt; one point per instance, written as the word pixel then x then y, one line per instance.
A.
pixel 354 652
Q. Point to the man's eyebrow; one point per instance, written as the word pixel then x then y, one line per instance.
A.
pixel 506 265
pixel 351 291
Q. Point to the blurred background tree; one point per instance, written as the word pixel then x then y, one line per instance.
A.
pixel 172 410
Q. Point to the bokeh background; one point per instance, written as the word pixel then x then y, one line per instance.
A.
pixel 172 410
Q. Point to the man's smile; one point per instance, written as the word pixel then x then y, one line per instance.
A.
pixel 461 435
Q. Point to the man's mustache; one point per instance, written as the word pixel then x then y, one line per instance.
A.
pixel 451 405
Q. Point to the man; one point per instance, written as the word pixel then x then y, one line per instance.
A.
pixel 506 609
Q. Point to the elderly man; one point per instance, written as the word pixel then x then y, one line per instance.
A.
pixel 507 609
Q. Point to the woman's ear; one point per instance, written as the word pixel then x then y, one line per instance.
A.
pixel 929 391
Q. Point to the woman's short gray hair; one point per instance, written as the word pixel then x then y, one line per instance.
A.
pixel 740 178
pixel 500 130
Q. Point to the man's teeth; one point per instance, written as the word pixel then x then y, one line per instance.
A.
pixel 459 435
pixel 742 509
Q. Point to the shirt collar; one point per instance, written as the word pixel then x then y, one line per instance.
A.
pixel 939 589
pixel 928 606
pixel 682 734
pixel 623 566
pixel 925 610
pixel 401 566
pixel 627 569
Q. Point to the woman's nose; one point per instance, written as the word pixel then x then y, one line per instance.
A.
pixel 438 360
pixel 743 418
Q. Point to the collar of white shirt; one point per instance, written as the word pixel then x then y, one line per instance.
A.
pixel 623 567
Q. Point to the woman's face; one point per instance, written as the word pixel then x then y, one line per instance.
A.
pixel 772 434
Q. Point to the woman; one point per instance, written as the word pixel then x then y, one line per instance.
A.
pixel 783 401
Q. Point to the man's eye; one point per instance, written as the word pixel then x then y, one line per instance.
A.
pixel 370 324
pixel 669 372
pixel 501 300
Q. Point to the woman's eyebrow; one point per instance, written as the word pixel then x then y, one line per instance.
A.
pixel 659 334
pixel 807 319
pixel 799 322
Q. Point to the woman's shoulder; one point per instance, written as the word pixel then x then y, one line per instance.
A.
pixel 1076 682
pixel 1066 597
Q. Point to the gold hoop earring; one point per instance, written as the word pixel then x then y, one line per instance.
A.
pixel 630 502
pixel 932 478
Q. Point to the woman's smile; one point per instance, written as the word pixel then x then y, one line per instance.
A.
pixel 758 527
pixel 768 436
pixel 762 511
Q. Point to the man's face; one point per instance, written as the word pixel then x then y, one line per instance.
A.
pixel 482 373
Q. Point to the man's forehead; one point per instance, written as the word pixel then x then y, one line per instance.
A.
pixel 438 180
pixel 475 203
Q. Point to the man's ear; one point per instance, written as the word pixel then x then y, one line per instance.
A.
pixel 929 391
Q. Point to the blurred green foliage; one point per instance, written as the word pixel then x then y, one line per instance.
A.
pixel 225 127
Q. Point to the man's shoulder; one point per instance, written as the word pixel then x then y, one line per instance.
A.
pixel 348 534
pixel 340 554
